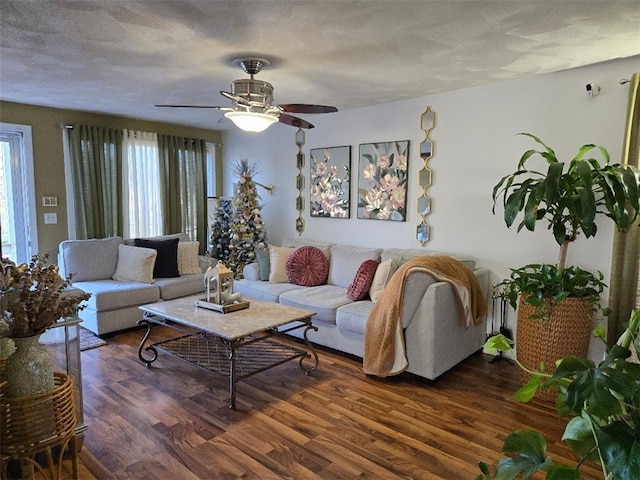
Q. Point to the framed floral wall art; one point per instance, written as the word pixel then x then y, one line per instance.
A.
pixel 330 187
pixel 382 180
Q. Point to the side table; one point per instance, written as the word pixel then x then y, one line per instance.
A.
pixel 63 341
pixel 43 423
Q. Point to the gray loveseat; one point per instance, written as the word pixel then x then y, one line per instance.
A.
pixel 113 305
pixel 436 339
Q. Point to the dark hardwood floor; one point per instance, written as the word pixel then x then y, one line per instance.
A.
pixel 172 421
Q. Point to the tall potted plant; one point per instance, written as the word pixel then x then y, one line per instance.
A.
pixel 555 302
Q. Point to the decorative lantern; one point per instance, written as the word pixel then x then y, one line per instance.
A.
pixel 219 285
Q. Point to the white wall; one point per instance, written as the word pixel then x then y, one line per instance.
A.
pixel 475 145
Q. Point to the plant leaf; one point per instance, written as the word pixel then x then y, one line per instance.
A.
pixel 529 448
pixel 498 343
pixel 579 437
pixel 529 389
pixel 562 472
pixel 617 446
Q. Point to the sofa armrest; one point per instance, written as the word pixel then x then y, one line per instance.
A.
pixel 419 283
pixel 205 262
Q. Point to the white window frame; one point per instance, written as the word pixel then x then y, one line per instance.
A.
pixel 24 191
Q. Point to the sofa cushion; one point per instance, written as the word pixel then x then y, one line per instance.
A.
pixel 323 299
pixel 87 260
pixel 112 294
pixel 278 263
pixel 359 287
pixel 167 260
pixel 345 261
pixel 353 316
pixel 307 266
pixel 401 255
pixel 188 261
pixel 135 264
pixel 267 291
pixel 181 286
pixel 296 242
pixel 384 272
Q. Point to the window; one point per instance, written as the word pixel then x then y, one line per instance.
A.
pixel 159 173
pixel 17 193
pixel 142 207
pixel 211 170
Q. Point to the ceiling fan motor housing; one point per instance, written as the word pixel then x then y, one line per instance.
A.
pixel 253 90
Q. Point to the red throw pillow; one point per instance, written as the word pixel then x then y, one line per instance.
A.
pixel 361 283
pixel 307 266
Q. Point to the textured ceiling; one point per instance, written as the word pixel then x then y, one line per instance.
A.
pixel 122 56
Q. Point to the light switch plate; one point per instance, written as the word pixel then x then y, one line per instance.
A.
pixel 51 201
pixel 50 218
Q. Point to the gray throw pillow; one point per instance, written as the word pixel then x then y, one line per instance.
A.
pixel 264 264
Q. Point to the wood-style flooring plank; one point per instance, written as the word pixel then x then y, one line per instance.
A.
pixel 173 420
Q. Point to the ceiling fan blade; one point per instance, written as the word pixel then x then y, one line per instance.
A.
pixel 235 98
pixel 294 121
pixel 304 108
pixel 189 106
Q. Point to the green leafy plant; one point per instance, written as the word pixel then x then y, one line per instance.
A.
pixel 569 200
pixel 33 297
pixel 569 197
pixel 603 403
pixel 541 285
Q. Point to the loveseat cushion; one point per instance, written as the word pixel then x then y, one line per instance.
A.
pixel 345 261
pixel 323 299
pixel 112 295
pixel 88 260
pixel 180 286
pixel 307 266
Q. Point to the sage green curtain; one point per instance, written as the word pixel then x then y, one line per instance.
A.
pixel 182 183
pixel 625 263
pixel 96 165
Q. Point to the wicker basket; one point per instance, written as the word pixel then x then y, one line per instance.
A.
pixel 29 425
pixel 567 332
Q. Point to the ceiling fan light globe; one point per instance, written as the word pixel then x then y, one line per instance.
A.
pixel 252 121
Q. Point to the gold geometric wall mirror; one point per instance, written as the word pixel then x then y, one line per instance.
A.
pixel 423 230
pixel 300 181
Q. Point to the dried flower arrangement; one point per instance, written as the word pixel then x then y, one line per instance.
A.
pixel 33 298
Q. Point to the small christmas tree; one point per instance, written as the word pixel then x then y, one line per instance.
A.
pixel 247 226
pixel 221 231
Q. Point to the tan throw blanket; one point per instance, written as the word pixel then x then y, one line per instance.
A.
pixel 384 347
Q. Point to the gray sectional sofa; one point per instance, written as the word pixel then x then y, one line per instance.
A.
pixel 113 305
pixel 435 338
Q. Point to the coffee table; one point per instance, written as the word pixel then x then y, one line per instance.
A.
pixel 236 344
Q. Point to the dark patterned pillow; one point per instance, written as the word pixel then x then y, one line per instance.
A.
pixel 167 260
pixel 307 266
pixel 359 288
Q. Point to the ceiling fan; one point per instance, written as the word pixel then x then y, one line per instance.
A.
pixel 253 109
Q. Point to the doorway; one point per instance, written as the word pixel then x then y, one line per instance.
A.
pixel 18 226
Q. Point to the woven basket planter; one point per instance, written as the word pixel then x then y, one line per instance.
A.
pixel 39 423
pixel 567 332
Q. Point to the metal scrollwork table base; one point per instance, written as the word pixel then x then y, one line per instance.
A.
pixel 235 345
